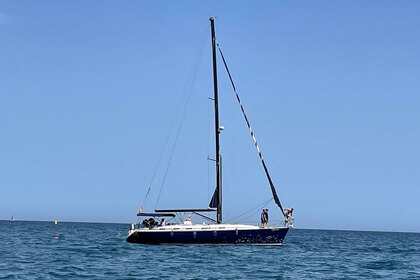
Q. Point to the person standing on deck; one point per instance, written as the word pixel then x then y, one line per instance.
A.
pixel 266 217
pixel 263 219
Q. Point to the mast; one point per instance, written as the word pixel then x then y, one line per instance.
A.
pixel 216 125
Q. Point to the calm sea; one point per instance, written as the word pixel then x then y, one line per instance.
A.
pixel 42 250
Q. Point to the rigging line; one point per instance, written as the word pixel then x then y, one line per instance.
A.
pixel 179 106
pixel 189 91
pixel 255 212
pixel 159 161
pixel 208 179
pixel 273 189
pixel 209 130
pixel 247 217
pixel 256 207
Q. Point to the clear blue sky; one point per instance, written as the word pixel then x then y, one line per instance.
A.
pixel 89 90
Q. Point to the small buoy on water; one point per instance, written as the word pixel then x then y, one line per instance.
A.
pixel 56 237
pixel 55 222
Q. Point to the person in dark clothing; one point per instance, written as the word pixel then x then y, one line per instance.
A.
pixel 264 218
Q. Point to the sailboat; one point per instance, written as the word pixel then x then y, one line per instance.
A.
pixel 150 231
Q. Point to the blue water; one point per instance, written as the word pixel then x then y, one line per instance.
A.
pixel 42 250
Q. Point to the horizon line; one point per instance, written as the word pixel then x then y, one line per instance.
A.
pixel 126 223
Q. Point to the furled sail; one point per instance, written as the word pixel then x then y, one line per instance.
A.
pixel 273 189
pixel 214 200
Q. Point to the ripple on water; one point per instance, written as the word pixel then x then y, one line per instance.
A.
pixel 95 251
pixel 383 265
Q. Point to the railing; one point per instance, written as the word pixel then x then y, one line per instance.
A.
pixel 287 222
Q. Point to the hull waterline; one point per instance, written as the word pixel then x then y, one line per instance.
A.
pixel 228 236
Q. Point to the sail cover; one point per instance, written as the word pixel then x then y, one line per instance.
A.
pixel 155 215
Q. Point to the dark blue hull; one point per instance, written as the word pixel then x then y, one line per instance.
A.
pixel 256 236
